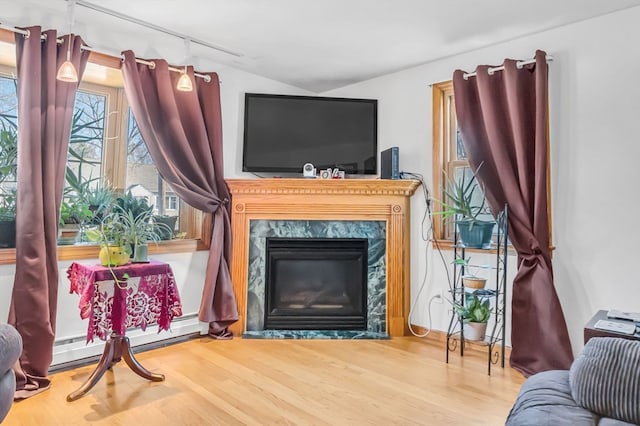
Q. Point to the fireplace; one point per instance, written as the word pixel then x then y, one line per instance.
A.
pixel 316 284
pixel 376 209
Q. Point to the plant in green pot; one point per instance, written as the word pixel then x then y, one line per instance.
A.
pixel 466 204
pixel 7 219
pixel 135 213
pixel 475 314
pixel 111 234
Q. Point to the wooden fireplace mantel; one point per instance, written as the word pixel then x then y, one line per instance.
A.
pixel 332 199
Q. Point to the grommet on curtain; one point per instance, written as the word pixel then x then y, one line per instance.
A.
pixel 152 65
pixel 490 71
pixel 27 34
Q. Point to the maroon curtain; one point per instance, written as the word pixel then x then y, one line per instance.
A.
pixel 503 119
pixel 183 132
pixel 45 109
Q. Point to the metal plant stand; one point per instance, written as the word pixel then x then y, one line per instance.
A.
pixel 494 338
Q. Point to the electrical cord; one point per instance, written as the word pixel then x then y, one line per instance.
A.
pixel 427 237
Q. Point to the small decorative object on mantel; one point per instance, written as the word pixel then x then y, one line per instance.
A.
pixel 332 174
pixel 308 170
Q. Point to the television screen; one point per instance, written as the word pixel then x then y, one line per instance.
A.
pixel 282 133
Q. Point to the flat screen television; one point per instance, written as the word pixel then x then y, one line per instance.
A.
pixel 282 133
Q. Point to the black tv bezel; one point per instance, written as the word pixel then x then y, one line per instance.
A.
pixel 248 95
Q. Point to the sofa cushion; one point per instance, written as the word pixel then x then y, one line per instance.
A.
pixel 545 399
pixel 605 378
pixel 10 347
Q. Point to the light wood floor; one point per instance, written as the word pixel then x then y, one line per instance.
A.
pixel 403 381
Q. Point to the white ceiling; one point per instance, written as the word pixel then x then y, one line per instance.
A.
pixel 316 45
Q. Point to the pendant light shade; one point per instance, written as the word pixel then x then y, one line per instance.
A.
pixel 184 82
pixel 67 72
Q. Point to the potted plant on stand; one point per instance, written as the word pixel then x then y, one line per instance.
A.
pixel 474 314
pixel 470 279
pixel 128 229
pixel 465 203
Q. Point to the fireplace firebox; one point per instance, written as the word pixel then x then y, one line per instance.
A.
pixel 316 284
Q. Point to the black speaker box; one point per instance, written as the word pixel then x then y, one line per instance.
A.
pixel 390 163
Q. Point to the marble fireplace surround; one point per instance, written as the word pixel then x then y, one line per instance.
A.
pixel 280 199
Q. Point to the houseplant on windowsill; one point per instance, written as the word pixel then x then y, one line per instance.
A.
pixel 7 219
pixel 73 214
pixel 465 202
pixel 475 314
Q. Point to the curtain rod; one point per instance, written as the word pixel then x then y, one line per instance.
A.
pixel 154 27
pixel 519 64
pixel 150 64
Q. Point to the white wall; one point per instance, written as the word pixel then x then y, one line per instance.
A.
pixel 595 125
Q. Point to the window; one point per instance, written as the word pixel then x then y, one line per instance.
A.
pixel 105 149
pixel 449 158
pixel 450 161
pixel 8 144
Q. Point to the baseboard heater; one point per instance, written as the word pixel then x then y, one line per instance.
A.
pixel 73 350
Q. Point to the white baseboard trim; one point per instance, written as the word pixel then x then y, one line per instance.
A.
pixel 74 349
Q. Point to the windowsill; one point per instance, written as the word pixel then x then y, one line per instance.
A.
pixel 90 251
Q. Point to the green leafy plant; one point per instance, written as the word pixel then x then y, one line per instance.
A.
pixel 475 309
pixel 74 211
pixel 126 229
pixel 462 197
pixel 137 206
pixel 8 205
pixel 8 152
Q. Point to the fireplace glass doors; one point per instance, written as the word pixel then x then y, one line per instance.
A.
pixel 316 284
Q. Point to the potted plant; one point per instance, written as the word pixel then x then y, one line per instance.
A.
pixel 73 214
pixel 7 219
pixel 100 200
pixel 167 231
pixel 469 278
pixel 475 314
pixel 465 203
pixel 128 229
pixel 111 234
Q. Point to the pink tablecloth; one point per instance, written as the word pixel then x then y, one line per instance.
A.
pixel 148 296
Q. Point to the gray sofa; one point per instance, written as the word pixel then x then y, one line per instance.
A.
pixel 10 349
pixel 602 388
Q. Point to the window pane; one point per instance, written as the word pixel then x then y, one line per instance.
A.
pixel 85 144
pixel 459 146
pixel 8 146
pixel 143 179
pixel 9 133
